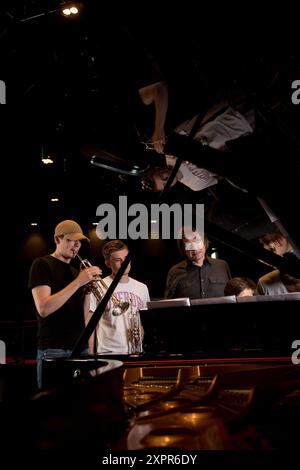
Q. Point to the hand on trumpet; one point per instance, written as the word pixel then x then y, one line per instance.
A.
pixel 89 275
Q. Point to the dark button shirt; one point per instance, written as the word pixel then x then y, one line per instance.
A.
pixel 188 280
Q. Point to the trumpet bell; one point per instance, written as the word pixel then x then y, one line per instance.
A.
pixel 120 309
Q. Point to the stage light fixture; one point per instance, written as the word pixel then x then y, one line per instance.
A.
pixel 46 159
pixel 70 9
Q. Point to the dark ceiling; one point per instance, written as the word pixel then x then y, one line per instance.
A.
pixel 69 77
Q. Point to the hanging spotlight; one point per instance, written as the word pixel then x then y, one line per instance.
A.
pixel 66 8
pixel 70 8
pixel 46 159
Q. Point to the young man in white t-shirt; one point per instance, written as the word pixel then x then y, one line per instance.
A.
pixel 120 333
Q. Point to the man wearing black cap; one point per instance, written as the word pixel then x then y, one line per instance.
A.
pixel 58 294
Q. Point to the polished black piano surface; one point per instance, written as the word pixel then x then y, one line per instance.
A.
pixel 220 374
pixel 246 326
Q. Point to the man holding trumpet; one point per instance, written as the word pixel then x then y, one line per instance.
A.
pixel 59 295
pixel 119 330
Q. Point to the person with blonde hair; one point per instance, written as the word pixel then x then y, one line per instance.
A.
pixel 114 331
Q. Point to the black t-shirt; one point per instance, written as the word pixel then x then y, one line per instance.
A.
pixel 62 328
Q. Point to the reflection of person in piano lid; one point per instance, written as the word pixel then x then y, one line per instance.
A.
pixel 240 287
pixel 277 282
pixel 59 297
pixel 277 243
pixel 113 332
pixel 226 121
pixel 198 276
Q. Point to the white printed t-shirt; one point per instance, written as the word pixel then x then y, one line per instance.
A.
pixel 113 332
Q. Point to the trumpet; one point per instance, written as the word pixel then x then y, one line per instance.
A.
pixel 135 332
pixel 99 288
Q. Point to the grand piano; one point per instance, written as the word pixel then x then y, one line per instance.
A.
pixel 218 374
pixel 224 376
pixel 214 375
